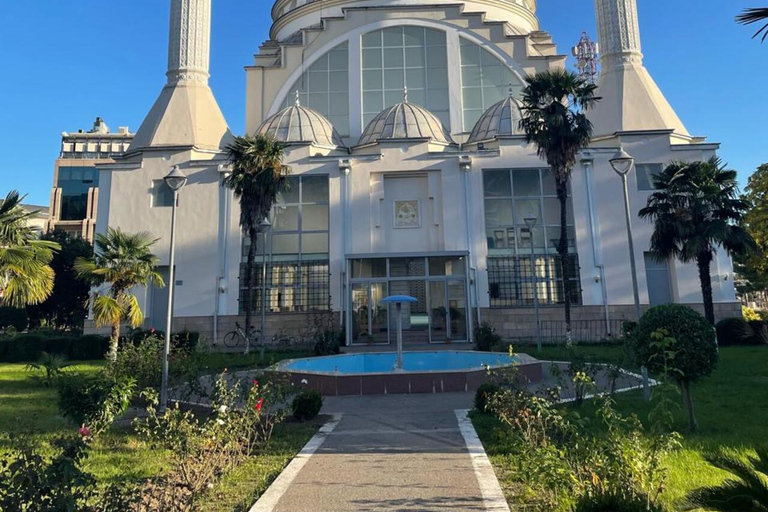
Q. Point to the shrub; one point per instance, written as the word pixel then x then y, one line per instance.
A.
pixel 750 314
pixel 484 394
pixel 760 330
pixel 184 340
pixel 13 317
pixel 50 367
pixel 94 401
pixel 29 347
pixel 486 338
pixel 734 331
pixel 691 353
pixel 327 342
pixel 627 326
pixel 307 404
pixel 614 502
pixel 142 362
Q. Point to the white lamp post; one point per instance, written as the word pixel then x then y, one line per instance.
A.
pixel 530 221
pixel 622 163
pixel 175 180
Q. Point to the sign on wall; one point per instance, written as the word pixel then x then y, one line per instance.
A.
pixel 407 214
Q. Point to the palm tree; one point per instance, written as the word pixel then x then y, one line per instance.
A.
pixel 258 176
pixel 122 261
pixel 755 15
pixel 695 209
pixel 748 492
pixel 553 118
pixel 26 276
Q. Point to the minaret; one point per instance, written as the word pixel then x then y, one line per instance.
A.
pixel 631 100
pixel 186 113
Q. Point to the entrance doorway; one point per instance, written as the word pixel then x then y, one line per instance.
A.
pixel 439 284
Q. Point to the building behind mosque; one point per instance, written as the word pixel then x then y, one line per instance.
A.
pixel 409 175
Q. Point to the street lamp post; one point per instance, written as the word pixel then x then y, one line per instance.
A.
pixel 622 163
pixel 530 221
pixel 264 228
pixel 175 181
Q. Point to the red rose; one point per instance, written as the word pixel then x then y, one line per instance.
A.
pixel 259 404
pixel 84 431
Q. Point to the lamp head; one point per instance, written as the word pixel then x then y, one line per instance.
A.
pixel 622 162
pixel 530 220
pixel 175 179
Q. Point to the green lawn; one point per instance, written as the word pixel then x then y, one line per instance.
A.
pixel 731 408
pixel 30 409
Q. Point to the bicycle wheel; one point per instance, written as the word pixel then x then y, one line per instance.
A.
pixel 232 339
pixel 255 338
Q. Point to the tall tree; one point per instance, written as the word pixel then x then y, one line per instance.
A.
pixel 66 307
pixel 755 15
pixel 752 266
pixel 258 176
pixel 554 119
pixel 26 276
pixel 695 209
pixel 121 261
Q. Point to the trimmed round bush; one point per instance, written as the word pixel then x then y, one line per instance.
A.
pixel 610 502
pixel 486 337
pixel 696 347
pixel 307 404
pixel 734 331
pixel 760 330
pixel 484 394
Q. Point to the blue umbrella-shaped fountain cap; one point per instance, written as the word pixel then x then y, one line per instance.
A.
pixel 394 299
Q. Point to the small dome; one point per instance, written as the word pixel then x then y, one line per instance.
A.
pixel 405 121
pixel 297 124
pixel 502 119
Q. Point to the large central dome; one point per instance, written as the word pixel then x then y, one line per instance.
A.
pixel 405 121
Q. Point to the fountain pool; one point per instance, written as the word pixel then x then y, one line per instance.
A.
pixel 423 372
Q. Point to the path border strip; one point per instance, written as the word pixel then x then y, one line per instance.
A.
pixel 268 501
pixel 493 496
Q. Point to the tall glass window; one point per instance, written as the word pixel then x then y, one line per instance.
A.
pixel 485 80
pixel 511 196
pixel 296 254
pixel 74 183
pixel 399 57
pixel 324 87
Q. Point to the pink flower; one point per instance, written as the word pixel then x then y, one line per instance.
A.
pixel 255 383
pixel 259 404
pixel 84 431
pixel 152 330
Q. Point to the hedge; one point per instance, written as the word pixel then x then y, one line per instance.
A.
pixel 28 347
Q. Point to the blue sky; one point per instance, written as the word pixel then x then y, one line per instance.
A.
pixel 65 62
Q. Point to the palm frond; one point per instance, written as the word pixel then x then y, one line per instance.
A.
pixel 755 15
pixel 747 492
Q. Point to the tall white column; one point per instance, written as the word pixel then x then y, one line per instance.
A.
pixel 618 31
pixel 189 43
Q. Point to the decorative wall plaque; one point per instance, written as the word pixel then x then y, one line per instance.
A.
pixel 407 214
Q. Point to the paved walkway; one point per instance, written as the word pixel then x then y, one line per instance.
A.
pixel 393 453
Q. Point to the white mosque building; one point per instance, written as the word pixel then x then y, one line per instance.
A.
pixel 423 193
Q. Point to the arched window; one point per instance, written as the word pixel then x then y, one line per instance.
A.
pixel 324 87
pixel 412 57
pixel 485 80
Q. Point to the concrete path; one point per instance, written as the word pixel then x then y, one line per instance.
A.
pixel 393 453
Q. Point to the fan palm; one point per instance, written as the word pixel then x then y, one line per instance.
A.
pixel 26 276
pixel 755 15
pixel 258 176
pixel 695 209
pixel 554 119
pixel 747 492
pixel 122 261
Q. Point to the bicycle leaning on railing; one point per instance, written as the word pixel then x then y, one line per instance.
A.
pixel 238 337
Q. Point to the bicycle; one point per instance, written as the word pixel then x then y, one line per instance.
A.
pixel 236 338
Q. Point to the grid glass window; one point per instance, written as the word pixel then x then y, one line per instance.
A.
pixel 485 80
pixel 324 87
pixel 511 197
pixel 162 195
pixel 74 183
pixel 295 252
pixel 399 57
pixel 645 174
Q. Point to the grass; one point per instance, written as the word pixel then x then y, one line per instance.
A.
pixel 218 361
pixel 730 405
pixel 28 408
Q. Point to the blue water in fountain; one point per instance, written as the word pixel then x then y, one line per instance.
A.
pixel 416 362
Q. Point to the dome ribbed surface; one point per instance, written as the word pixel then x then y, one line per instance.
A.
pixel 500 120
pixel 405 121
pixel 297 124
